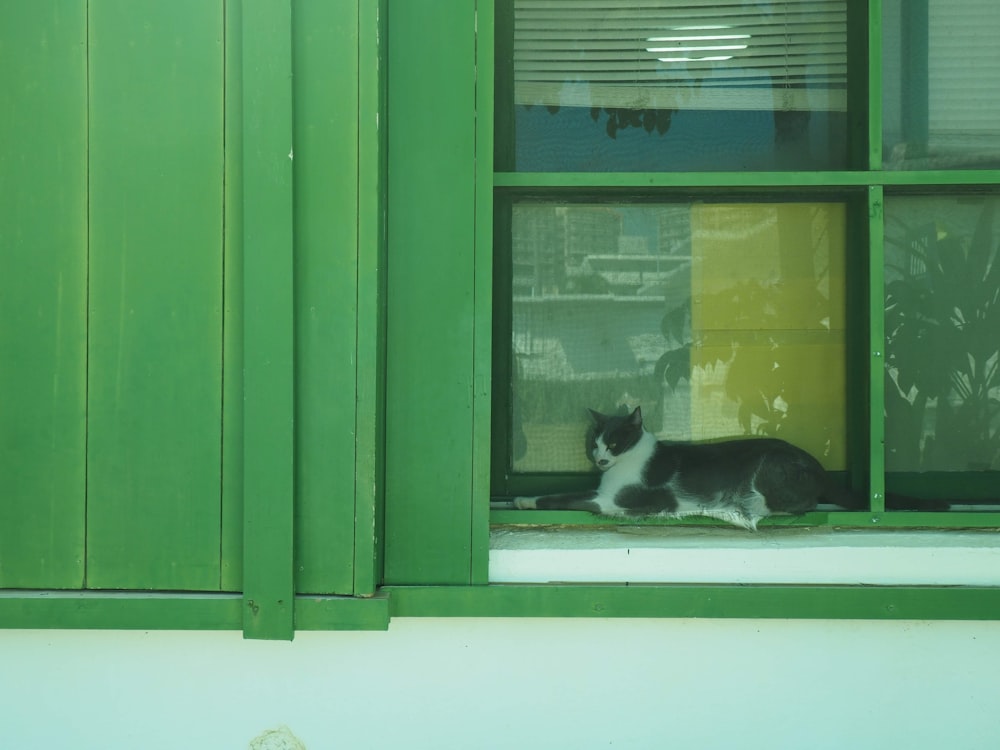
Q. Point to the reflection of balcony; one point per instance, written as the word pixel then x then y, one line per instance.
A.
pixel 581 337
pixel 657 275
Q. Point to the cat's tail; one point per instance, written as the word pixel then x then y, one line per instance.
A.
pixel 851 500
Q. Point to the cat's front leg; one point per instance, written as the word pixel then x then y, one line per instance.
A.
pixel 586 501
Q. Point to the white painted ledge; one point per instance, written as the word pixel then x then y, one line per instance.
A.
pixel 776 556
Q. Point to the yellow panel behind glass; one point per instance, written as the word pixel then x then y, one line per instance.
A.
pixel 767 323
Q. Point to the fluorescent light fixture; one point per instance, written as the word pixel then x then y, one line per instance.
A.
pixel 712 58
pixel 700 48
pixel 688 38
pixel 698 38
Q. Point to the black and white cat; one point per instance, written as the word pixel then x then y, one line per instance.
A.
pixel 738 481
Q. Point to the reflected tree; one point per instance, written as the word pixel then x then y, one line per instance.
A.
pixel 942 318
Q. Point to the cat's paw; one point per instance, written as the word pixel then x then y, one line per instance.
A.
pixel 525 503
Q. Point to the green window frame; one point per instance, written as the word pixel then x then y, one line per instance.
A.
pixel 437 544
pixel 864 186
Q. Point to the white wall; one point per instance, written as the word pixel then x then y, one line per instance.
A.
pixel 474 684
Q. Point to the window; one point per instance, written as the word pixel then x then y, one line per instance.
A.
pixel 716 318
pixel 942 398
pixel 587 86
pixel 688 219
pixel 941 72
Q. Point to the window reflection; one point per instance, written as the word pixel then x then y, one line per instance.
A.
pixel 942 319
pixel 717 319
pixel 941 75
pixel 668 86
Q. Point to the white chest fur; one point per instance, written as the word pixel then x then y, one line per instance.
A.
pixel 627 470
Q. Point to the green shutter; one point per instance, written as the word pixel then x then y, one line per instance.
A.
pixel 43 293
pixel 325 40
pixel 155 334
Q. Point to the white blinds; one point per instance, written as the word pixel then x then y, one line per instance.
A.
pixel 697 54
pixel 964 74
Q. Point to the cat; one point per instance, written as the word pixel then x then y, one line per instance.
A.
pixel 738 481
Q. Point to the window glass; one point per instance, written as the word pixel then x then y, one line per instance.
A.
pixel 718 319
pixel 672 86
pixel 942 320
pixel 941 75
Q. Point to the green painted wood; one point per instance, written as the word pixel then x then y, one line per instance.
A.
pixel 325 96
pixel 876 349
pixel 155 341
pixel 710 180
pixel 268 321
pixel 369 473
pixel 856 342
pixel 431 292
pixel 721 601
pixel 848 519
pixel 179 611
pixel 43 293
pixel 112 611
pixel 483 284
pixel 342 613
pixel 233 301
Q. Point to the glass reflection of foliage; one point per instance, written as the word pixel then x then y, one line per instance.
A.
pixel 620 118
pixel 758 376
pixel 942 318
pixel 766 316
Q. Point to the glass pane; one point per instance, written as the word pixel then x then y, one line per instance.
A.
pixel 671 86
pixel 717 319
pixel 941 78
pixel 942 318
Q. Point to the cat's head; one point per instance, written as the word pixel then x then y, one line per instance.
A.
pixel 611 437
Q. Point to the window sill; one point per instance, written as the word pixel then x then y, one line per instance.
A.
pixel 145 610
pixel 677 555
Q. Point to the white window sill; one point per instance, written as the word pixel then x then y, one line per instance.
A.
pixel 770 556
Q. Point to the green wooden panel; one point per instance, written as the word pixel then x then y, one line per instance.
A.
pixel 232 322
pixel 43 292
pixel 369 474
pixel 707 182
pixel 325 96
pixel 342 613
pixel 483 363
pixel 116 611
pixel 876 349
pixel 155 356
pixel 431 283
pixel 268 320
pixel 681 600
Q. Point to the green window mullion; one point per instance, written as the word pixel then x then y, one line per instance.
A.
pixel 706 182
pixel 876 339
pixel 876 293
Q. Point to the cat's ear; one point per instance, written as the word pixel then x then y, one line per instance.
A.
pixel 596 417
pixel 635 418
